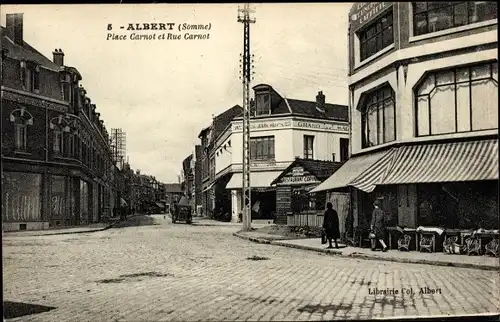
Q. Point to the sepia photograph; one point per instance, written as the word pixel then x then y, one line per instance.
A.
pixel 250 161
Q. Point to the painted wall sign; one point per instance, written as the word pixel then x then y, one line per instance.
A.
pixel 263 125
pixel 298 180
pixel 322 126
pixel 364 12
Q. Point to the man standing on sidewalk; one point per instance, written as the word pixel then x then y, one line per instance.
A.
pixel 378 225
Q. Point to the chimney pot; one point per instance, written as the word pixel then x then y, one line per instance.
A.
pixel 15 27
pixel 58 57
pixel 320 101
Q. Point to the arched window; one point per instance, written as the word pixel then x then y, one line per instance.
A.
pixel 461 99
pixel 60 130
pixel 21 119
pixel 378 117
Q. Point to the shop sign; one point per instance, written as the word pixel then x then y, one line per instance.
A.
pixel 364 12
pixel 323 126
pixel 299 180
pixel 264 125
pixel 298 171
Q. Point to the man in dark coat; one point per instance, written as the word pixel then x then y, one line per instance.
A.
pixel 331 225
pixel 378 224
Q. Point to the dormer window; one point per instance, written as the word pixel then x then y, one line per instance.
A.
pixel 263 104
pixel 30 76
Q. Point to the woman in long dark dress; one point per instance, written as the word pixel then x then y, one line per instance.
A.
pixel 331 225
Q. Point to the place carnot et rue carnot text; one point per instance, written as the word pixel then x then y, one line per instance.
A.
pixel 159 31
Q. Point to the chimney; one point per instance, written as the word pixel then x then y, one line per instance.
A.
pixel 58 57
pixel 15 27
pixel 320 102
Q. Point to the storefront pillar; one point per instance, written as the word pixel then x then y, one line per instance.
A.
pixel 235 205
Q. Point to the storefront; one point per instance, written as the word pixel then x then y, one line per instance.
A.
pixel 22 199
pixel 294 205
pixel 263 196
pixel 446 187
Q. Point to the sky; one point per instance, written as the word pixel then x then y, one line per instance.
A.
pixel 162 93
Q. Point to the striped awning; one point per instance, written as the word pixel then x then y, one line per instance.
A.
pixel 260 179
pixel 368 180
pixel 354 168
pixel 445 162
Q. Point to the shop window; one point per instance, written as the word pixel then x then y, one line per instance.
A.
pixel 308 147
pixel 462 99
pixel 429 17
pixel 469 205
pixel 21 196
pixel 263 104
pixel 377 36
pixel 378 117
pixel 262 148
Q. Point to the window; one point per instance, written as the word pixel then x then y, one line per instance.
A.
pixel 30 76
pixel 430 17
pixel 378 117
pixel 308 147
pixel 21 119
pixel 58 142
pixel 376 36
pixel 262 148
pixel 344 149
pixel 263 104
pixel 456 100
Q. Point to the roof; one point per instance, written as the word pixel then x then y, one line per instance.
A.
pixel 322 170
pixel 173 188
pixel 308 108
pixel 290 106
pixel 25 52
pixel 186 164
pixel 221 121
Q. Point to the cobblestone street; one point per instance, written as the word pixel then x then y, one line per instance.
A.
pixel 180 272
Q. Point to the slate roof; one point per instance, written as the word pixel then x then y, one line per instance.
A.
pixel 222 121
pixel 173 188
pixel 25 52
pixel 296 107
pixel 322 170
pixel 186 164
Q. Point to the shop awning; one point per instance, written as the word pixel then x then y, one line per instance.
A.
pixel 350 170
pixel 160 205
pixel 368 180
pixel 260 179
pixel 445 162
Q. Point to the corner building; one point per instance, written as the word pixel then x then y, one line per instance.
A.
pixel 423 84
pixel 57 165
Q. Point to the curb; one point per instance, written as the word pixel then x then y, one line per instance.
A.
pixel 368 257
pixel 73 232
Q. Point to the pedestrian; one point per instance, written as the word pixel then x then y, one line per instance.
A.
pixel 378 225
pixel 331 225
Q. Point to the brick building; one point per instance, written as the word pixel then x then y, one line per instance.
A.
pixel 57 168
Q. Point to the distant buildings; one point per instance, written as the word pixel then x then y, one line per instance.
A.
pixel 191 184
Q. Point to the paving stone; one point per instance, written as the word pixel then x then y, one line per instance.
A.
pixel 202 273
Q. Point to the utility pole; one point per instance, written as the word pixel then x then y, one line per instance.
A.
pixel 244 17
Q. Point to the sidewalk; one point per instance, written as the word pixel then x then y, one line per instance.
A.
pixel 66 230
pixel 314 244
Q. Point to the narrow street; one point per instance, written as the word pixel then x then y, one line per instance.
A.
pixel 186 273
